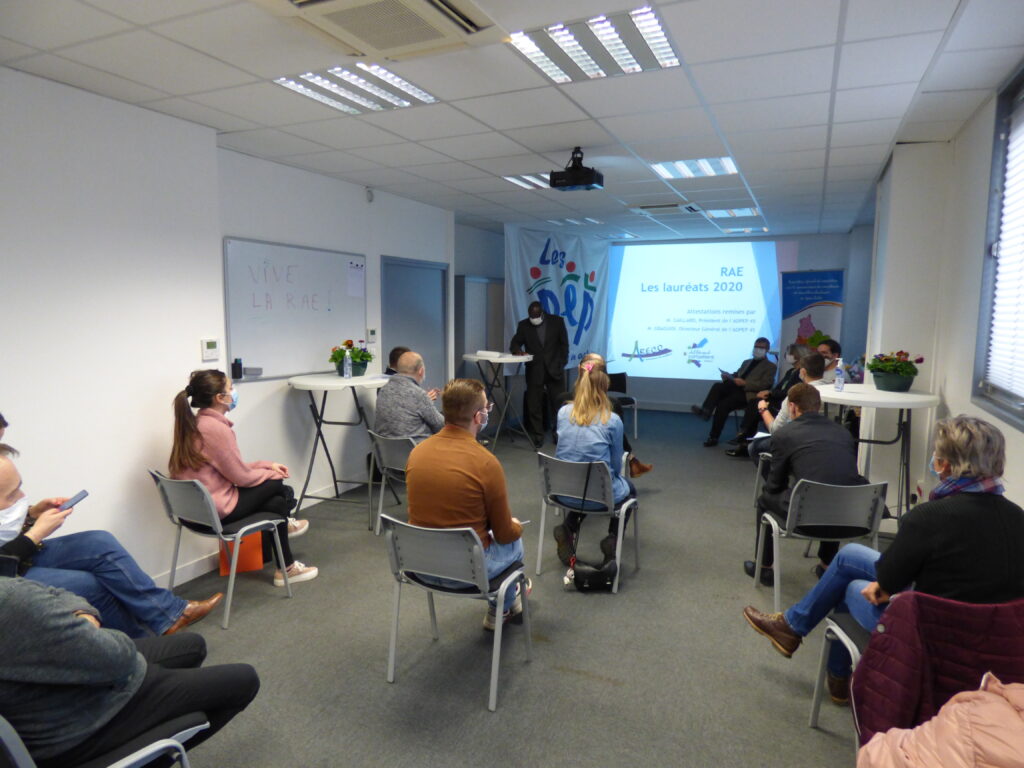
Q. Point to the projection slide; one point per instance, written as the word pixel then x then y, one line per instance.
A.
pixel 683 311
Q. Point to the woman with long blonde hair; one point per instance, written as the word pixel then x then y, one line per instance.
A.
pixel 589 430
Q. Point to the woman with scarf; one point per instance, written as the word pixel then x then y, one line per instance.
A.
pixel 964 544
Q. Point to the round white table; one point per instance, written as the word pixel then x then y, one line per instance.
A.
pixel 494 381
pixel 326 383
pixel 904 402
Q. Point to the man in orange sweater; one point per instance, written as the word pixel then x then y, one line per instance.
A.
pixel 455 482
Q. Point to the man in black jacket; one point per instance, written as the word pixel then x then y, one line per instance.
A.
pixel 544 336
pixel 736 389
pixel 810 447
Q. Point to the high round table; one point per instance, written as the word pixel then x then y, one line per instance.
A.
pixel 904 402
pixel 495 382
pixel 326 383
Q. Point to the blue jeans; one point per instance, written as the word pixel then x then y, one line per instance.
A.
pixel 839 588
pixel 95 566
pixel 497 558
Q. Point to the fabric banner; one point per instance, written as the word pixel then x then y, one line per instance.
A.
pixel 812 307
pixel 568 275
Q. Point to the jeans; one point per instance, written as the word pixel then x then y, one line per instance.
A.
pixel 497 558
pixel 95 566
pixel 839 588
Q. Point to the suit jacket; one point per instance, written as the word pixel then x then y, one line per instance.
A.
pixel 778 393
pixel 759 376
pixel 553 354
pixel 813 447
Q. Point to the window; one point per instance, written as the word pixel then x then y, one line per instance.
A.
pixel 999 362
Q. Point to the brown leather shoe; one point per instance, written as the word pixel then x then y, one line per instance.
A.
pixel 637 467
pixel 774 627
pixel 194 611
pixel 838 689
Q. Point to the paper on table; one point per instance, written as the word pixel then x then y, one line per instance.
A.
pixel 488 353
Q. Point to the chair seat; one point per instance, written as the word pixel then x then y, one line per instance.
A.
pixel 492 586
pixel 232 528
pixel 167 730
pixel 851 628
pixel 575 505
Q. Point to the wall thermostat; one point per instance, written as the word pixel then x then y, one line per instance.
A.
pixel 211 350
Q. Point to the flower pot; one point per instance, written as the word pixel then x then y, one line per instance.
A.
pixel 892 382
pixel 358 369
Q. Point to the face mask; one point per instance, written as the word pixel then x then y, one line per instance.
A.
pixel 759 353
pixel 790 359
pixel 483 424
pixel 234 400
pixel 537 320
pixel 12 519
pixel 931 467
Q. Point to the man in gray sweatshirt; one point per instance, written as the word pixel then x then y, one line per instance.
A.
pixel 403 408
pixel 74 691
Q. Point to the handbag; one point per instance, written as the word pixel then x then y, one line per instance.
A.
pixel 584 576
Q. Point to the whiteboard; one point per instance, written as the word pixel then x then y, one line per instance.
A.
pixel 286 306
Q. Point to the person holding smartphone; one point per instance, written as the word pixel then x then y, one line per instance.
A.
pixel 92 564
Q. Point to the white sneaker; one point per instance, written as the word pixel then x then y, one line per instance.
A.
pixel 296 572
pixel 296 527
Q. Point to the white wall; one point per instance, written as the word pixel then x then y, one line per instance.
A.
pixel 479 252
pixel 111 224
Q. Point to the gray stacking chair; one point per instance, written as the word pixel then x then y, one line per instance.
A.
pixel 188 504
pixel 390 454
pixel 617 383
pixel 568 479
pixel 139 751
pixel 457 554
pixel 856 508
pixel 839 628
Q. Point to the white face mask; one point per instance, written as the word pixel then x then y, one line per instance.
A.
pixel 759 353
pixel 790 359
pixel 537 320
pixel 12 519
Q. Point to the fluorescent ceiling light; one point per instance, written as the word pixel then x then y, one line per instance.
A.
pixel 536 179
pixel 345 93
pixel 649 27
pixel 538 58
pixel 392 79
pixel 723 213
pixel 316 95
pixel 608 36
pixel 517 181
pixel 554 221
pixel 662 171
pixel 366 85
pixel 593 221
pixel 574 221
pixel 691 169
pixel 530 180
pixel 565 40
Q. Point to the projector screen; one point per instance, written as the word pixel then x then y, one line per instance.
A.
pixel 686 310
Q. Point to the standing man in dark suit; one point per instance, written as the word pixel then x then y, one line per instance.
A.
pixel 543 336
pixel 810 447
pixel 736 389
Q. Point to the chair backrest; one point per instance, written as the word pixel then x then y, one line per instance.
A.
pixel 448 553
pixel 858 508
pixel 13 748
pixel 568 480
pixel 617 382
pixel 187 500
pixel 392 452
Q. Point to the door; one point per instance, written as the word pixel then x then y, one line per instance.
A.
pixel 413 312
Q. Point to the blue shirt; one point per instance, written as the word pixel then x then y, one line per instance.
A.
pixel 594 442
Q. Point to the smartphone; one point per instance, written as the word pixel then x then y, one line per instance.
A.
pixel 73 500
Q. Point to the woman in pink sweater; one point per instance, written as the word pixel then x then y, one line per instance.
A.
pixel 205 449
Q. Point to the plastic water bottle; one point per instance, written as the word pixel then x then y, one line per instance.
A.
pixel 840 375
pixel 348 364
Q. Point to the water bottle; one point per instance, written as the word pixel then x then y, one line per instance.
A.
pixel 840 375
pixel 348 364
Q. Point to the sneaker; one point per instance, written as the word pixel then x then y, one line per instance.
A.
pixel 297 527
pixel 517 608
pixel 296 572
pixel 563 540
pixel 608 544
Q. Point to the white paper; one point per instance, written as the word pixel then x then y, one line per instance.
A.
pixel 356 280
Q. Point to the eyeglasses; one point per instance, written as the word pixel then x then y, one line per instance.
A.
pixel 488 408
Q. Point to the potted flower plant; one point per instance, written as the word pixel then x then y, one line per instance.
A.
pixel 360 357
pixel 895 371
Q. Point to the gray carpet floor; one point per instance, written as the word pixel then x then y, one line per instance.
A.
pixel 666 672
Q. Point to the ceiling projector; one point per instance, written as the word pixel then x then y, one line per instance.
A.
pixel 575 176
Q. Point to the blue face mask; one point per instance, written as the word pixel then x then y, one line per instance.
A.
pixel 931 467
pixel 234 400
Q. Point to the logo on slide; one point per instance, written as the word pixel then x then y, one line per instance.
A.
pixel 696 354
pixel 646 353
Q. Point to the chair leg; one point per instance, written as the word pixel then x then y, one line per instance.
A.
pixel 540 538
pixel 636 536
pixel 369 495
pixel 618 554
pixel 174 559
pixel 636 418
pixel 380 503
pixel 280 559
pixel 433 616
pixel 391 487
pixel 231 582
pixel 527 627
pixel 777 589
pixel 819 684
pixel 499 624
pixel 393 646
pixel 759 554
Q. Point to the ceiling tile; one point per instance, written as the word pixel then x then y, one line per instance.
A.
pixel 768 114
pixel 252 39
pixel 988 24
pixel 717 29
pixel 750 160
pixel 199 113
pixel 157 62
pixel 514 165
pixel 800 176
pixel 876 103
pixel 864 132
pixel 87 78
pixel 929 131
pixel 883 18
pixel 433 121
pixel 398 155
pixel 476 146
pixel 478 186
pixel 267 142
pixel 868 172
pixel 379 177
pixel 873 153
pixel 659 125
pixel 962 70
pixel 56 23
pixel 652 91
pixel 784 140
pixel 450 171
pixel 540 106
pixel 11 50
pixel 685 148
pixel 561 137
pixel 477 72
pixel 266 104
pixel 331 162
pixel 761 77
pixel 884 62
pixel 151 11
pixel 342 132
pixel 946 105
